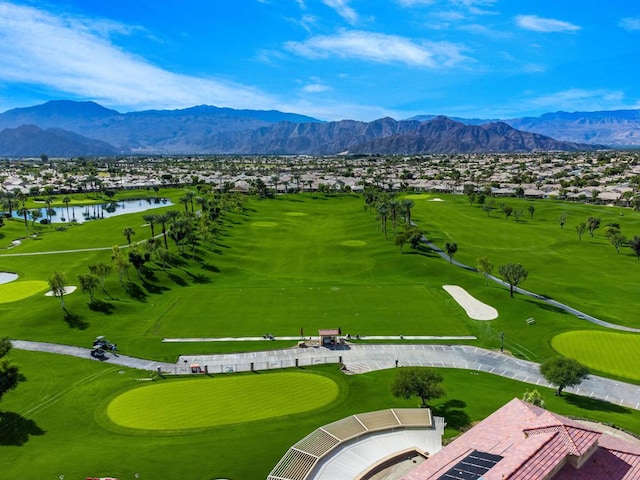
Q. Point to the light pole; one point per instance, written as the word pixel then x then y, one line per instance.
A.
pixel 502 342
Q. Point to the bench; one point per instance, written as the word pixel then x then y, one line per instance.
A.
pixel 530 321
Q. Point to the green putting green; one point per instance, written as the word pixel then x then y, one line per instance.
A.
pixel 354 243
pixel 263 224
pixel 14 291
pixel 610 352
pixel 205 402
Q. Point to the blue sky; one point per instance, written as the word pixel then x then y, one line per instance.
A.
pixel 331 59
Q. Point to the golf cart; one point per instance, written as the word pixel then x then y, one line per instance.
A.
pixel 98 353
pixel 101 346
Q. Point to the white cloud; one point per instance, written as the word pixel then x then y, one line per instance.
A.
pixel 379 48
pixel 630 23
pixel 343 9
pixel 539 24
pixel 316 88
pixel 75 57
pixel 577 99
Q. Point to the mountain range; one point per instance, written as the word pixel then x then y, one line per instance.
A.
pixel 69 128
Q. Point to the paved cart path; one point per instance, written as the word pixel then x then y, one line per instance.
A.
pixel 359 358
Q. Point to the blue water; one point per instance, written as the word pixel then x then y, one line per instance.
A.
pixel 81 214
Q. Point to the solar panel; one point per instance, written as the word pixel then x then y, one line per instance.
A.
pixel 471 467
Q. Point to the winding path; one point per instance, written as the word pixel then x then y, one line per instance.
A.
pixel 547 300
pixel 360 358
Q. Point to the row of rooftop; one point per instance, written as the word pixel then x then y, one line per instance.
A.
pixel 608 177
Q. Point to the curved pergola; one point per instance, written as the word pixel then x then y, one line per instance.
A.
pixel 308 458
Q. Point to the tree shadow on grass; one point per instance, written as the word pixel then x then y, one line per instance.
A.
pixel 178 279
pixel 199 278
pixel 102 306
pixel 210 268
pixel 135 291
pixel 148 274
pixel 453 413
pixel 545 306
pixel 15 430
pixel 75 321
pixel 177 261
pixel 588 403
pixel 151 288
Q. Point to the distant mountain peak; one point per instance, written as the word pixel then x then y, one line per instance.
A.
pixel 207 129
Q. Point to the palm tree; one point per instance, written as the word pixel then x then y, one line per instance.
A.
pixel 151 219
pixel 162 219
pixel 66 201
pixel 47 201
pixel 393 209
pixel 407 205
pixel 203 203
pixel 8 200
pixel 383 211
pixel 128 232
pixel 185 201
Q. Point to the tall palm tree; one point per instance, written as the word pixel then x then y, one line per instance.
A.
pixel 394 207
pixel 185 201
pixel 66 201
pixel 407 205
pixel 128 233
pixel 7 199
pixel 151 219
pixel 383 212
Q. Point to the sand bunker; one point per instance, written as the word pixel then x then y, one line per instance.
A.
pixel 436 200
pixel 6 277
pixel 475 308
pixel 67 291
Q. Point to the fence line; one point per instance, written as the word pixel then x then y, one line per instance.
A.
pixel 247 366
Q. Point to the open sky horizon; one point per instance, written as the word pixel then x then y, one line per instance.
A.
pixel 329 59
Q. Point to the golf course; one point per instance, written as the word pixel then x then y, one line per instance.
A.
pixel 288 266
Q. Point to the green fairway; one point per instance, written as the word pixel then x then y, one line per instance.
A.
pixel 277 265
pixel 609 352
pixel 297 261
pixel 200 403
pixel 19 290
pixel 587 274
pixel 54 423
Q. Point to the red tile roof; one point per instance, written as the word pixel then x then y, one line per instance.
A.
pixel 537 445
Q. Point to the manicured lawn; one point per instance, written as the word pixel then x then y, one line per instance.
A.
pixel 188 404
pixel 587 274
pixel 609 352
pixel 298 261
pixel 59 425
pixel 294 262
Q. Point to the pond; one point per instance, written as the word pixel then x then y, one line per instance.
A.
pixel 84 213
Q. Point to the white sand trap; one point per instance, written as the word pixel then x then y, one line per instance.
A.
pixel 67 291
pixel 474 307
pixel 436 200
pixel 6 277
